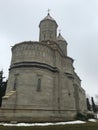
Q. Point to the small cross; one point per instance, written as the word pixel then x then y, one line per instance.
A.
pixel 59 30
pixel 48 11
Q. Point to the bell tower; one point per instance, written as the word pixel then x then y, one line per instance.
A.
pixel 48 29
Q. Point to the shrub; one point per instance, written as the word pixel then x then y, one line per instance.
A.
pixel 90 115
pixel 81 116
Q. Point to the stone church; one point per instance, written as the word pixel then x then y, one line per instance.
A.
pixel 42 83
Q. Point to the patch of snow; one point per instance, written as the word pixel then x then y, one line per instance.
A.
pixel 92 120
pixel 71 122
pixel 43 124
pixel 97 116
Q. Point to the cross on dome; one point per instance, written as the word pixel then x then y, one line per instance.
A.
pixel 60 37
pixel 48 17
pixel 59 31
pixel 48 11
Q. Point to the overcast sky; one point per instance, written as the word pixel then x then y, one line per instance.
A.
pixel 78 21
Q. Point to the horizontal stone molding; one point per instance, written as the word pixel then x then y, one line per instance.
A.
pixel 35 109
pixel 34 64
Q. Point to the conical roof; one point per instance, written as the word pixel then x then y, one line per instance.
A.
pixel 48 17
pixel 60 37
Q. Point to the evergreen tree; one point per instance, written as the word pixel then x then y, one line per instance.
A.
pixel 88 105
pixel 3 85
pixel 94 107
pixel 1 78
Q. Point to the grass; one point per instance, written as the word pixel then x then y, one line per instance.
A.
pixel 86 126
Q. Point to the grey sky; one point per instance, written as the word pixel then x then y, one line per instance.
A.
pixel 78 20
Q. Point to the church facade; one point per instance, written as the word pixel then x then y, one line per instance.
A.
pixel 42 83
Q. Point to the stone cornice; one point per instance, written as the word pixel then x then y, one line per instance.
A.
pixel 34 64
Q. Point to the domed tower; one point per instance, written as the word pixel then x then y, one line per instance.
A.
pixel 62 44
pixel 48 29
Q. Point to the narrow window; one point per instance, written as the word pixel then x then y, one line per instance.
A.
pixel 14 87
pixel 39 84
pixel 44 36
pixel 69 94
pixel 50 35
pixel 15 82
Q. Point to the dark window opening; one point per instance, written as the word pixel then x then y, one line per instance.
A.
pixel 15 82
pixel 14 87
pixel 50 36
pixel 44 36
pixel 39 85
pixel 69 94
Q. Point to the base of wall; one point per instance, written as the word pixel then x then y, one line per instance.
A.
pixel 30 115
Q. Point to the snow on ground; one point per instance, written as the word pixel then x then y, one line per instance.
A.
pixel 43 124
pixel 47 124
pixel 92 120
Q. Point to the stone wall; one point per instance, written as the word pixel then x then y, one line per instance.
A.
pixel 32 51
pixel 42 81
pixel 26 87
